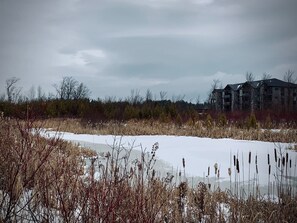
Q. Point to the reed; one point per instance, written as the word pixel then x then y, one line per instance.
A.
pixel 50 180
pixel 154 127
pixel 249 181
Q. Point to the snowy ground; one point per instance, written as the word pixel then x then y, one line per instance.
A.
pixel 201 153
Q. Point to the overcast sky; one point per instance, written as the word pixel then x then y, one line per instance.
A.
pixel 114 46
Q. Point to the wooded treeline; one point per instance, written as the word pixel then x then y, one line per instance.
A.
pixel 72 100
pixel 98 110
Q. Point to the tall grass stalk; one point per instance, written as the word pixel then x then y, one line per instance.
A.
pixel 50 180
pixel 249 182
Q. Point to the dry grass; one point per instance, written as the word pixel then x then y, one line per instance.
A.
pixel 45 181
pixel 198 129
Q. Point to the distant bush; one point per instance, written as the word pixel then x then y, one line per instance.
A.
pixel 165 111
pixel 209 121
pixel 222 120
pixel 251 122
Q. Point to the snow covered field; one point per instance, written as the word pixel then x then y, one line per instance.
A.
pixel 201 153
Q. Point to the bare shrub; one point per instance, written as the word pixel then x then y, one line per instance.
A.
pixel 49 180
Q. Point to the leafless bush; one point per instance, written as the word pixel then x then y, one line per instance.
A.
pixel 49 180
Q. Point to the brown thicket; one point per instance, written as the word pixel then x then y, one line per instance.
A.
pixel 49 180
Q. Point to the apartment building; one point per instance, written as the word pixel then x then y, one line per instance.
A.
pixel 270 94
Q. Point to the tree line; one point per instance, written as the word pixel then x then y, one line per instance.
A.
pixel 68 88
pixel 72 100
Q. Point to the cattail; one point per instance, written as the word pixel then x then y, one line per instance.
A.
pixel 216 167
pixel 139 166
pixel 229 171
pixel 184 163
pixel 257 169
pixel 237 165
pixel 278 164
pixel 287 157
pixel 284 161
pixel 250 157
pixel 234 160
pixel 256 160
pixel 290 163
pixel 218 173
pixel 268 159
pixel 269 170
pixel 275 155
pixel 208 172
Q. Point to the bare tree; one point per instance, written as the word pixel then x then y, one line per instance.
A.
pixel 66 89
pixel 51 96
pixel 32 93
pixel 215 85
pixel 40 94
pixel 289 76
pixel 110 99
pixel 249 76
pixel 148 95
pixel 81 92
pixel 198 99
pixel 178 98
pixel 135 97
pixel 12 91
pixel 69 88
pixel 266 76
pixel 163 95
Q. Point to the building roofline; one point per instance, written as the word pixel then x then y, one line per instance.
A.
pixel 273 82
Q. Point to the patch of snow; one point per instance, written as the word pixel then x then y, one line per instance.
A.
pixel 201 153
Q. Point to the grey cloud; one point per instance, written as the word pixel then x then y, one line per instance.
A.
pixel 175 45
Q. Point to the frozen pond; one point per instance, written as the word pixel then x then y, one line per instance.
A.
pixel 203 154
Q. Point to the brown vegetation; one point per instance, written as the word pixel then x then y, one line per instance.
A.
pixel 207 128
pixel 43 180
